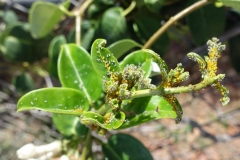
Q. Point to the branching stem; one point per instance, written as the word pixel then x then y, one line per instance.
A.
pixel 175 90
pixel 87 149
pixel 78 16
pixel 129 9
pixel 173 20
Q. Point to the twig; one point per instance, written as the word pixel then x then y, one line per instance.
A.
pixel 174 90
pixel 129 9
pixel 79 15
pixel 173 20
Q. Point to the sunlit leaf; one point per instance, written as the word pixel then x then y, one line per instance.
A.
pixel 43 17
pixel 115 122
pixel 69 125
pixel 122 46
pixel 125 147
pixel 56 100
pixel 146 109
pixel 139 58
pixel 76 70
pixel 160 62
pixel 103 60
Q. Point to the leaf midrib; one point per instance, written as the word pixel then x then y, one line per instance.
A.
pixel 78 76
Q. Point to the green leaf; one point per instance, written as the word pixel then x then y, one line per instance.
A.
pixel 142 110
pixel 76 71
pixel 96 8
pixel 56 100
pixel 103 60
pixel 23 82
pixel 234 52
pixel 113 25
pixel 125 147
pixel 154 5
pixel 232 3
pixel 204 24
pixel 20 46
pixel 53 52
pixel 137 58
pixel 115 120
pixel 146 25
pixel 122 46
pixel 69 125
pixel 160 62
pixel 9 17
pixel 43 17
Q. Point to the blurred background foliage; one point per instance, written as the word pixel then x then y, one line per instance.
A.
pixel 31 33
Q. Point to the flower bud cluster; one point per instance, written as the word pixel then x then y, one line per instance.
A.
pixel 176 76
pixel 208 67
pixel 118 86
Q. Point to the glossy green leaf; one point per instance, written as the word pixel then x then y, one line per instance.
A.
pixel 234 52
pixel 53 53
pixel 43 17
pixel 154 5
pixel 146 109
pixel 103 60
pixel 204 24
pixel 96 8
pixel 146 25
pixel 56 100
pixel 113 25
pixel 160 62
pixel 21 46
pixel 137 58
pixel 23 82
pixel 6 32
pixel 231 3
pixel 76 70
pixel 115 122
pixel 69 125
pixel 120 47
pixel 9 17
pixel 125 147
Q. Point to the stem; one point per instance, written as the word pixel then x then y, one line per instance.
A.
pixel 174 90
pixel 65 11
pixel 87 149
pixel 97 140
pixel 84 7
pixel 103 109
pixel 78 30
pixel 129 9
pixel 173 20
pixel 79 13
